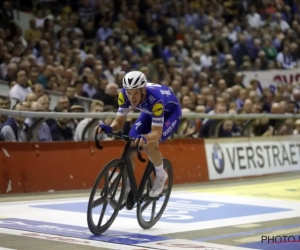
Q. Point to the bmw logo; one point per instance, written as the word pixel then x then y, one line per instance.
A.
pixel 218 158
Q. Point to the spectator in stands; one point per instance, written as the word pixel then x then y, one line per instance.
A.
pixel 111 95
pixel 38 90
pixel 15 129
pixel 196 51
pixel 9 69
pixel 45 103
pixel 209 125
pixel 297 127
pixel 89 86
pixel 59 130
pixel 44 134
pixel 63 103
pixel 6 15
pixel 32 34
pixel 96 107
pixel 4 104
pixel 30 98
pixel 70 93
pixel 21 89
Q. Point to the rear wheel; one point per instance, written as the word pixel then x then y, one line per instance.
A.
pixel 106 197
pixel 150 210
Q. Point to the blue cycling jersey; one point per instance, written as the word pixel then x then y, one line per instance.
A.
pixel 159 101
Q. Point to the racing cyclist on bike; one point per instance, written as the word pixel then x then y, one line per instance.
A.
pixel 159 119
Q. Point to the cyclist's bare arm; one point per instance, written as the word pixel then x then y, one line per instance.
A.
pixel 118 123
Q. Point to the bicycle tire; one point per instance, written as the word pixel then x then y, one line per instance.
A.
pixel 148 224
pixel 95 229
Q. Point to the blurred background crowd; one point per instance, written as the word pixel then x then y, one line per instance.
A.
pixel 199 48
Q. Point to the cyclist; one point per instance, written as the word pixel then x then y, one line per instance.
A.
pixel 159 119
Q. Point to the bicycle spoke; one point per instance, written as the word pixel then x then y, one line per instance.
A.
pixel 98 202
pixel 113 203
pixel 153 210
pixel 102 214
pixel 112 173
pixel 105 190
pixel 115 185
pixel 145 205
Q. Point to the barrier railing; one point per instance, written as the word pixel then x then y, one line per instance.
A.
pixel 135 115
pixel 88 131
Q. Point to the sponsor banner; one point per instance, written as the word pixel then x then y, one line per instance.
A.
pixel 177 244
pixel 77 232
pixel 271 78
pixel 252 157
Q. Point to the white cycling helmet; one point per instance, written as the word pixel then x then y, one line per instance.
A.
pixel 134 80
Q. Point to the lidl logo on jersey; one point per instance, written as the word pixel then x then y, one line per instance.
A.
pixel 165 92
pixel 121 99
pixel 158 109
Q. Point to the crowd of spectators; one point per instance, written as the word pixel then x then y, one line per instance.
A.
pixel 196 47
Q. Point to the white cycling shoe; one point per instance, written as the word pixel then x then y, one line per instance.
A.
pixel 158 184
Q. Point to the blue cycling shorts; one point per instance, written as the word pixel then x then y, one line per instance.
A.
pixel 143 124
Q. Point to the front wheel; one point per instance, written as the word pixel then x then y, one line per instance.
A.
pixel 111 180
pixel 147 215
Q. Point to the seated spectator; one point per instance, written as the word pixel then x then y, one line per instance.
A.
pixel 44 130
pixel 21 89
pixel 15 129
pixel 4 104
pixel 89 86
pixel 45 103
pixel 209 126
pixel 111 95
pixel 63 103
pixel 96 107
pixel 38 90
pixel 297 127
pixel 70 93
pixel 59 129
pixel 30 98
pixel 74 121
pixel 228 129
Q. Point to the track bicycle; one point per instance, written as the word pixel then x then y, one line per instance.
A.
pixel 112 180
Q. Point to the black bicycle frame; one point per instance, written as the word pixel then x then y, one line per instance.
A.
pixel 125 158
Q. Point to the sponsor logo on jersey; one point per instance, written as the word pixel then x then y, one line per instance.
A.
pixel 120 110
pixel 158 109
pixel 169 129
pixel 165 92
pixel 121 99
pixel 151 99
pixel 138 124
pixel 157 120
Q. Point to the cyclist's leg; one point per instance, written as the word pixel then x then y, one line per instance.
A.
pixel 141 126
pixel 171 124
